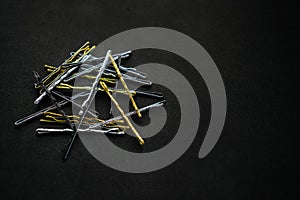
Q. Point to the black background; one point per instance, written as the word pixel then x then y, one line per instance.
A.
pixel 253 45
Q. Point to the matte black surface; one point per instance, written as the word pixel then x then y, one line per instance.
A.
pixel 252 43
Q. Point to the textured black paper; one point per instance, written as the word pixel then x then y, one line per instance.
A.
pixel 251 42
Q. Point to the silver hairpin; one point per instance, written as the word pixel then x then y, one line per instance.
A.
pixel 90 111
pixel 157 104
pixel 112 131
pixel 86 104
pixel 52 107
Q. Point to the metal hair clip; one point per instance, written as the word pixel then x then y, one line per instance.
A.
pixel 86 104
pixel 108 70
pixel 111 73
pixel 92 112
pixel 134 71
pixel 134 79
pixel 88 70
pixel 52 107
pixel 133 92
pixel 111 131
pixel 140 139
pixel 50 69
pixel 93 67
pixel 58 118
pixel 131 78
pixel 58 69
pixel 64 74
pixel 37 76
pixel 115 56
pixel 124 85
pixel 160 103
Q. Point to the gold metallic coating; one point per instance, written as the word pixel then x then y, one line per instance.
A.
pixel 68 86
pixel 85 49
pixel 57 117
pixel 82 48
pixel 140 139
pixel 125 86
pixel 108 80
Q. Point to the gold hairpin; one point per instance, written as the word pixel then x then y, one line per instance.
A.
pixel 108 80
pixel 51 68
pixel 54 72
pixel 125 86
pixel 56 117
pixel 140 139
pixel 68 86
pixel 85 49
pixel 58 69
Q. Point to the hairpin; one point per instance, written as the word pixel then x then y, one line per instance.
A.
pixel 108 70
pixel 57 117
pixel 49 76
pixel 140 139
pixel 124 85
pixel 157 104
pixel 133 92
pixel 52 107
pixel 87 102
pixel 37 76
pixel 92 112
pixel 111 131
pixel 63 75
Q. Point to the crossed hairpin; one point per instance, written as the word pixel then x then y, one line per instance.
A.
pixel 58 79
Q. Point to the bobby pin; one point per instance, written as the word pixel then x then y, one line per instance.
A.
pixel 133 92
pixel 84 47
pixel 134 79
pixel 111 131
pixel 157 104
pixel 37 76
pixel 63 68
pixel 102 70
pixel 68 79
pixel 131 70
pixel 112 80
pixel 134 71
pixel 125 86
pixel 87 68
pixel 86 71
pixel 64 74
pixel 58 118
pixel 51 117
pixel 87 102
pixel 131 78
pixel 108 80
pixel 115 56
pixel 91 58
pixel 70 59
pixel 52 107
pixel 64 71
pixel 140 139
pixel 95 83
pixel 92 112
pixel 49 69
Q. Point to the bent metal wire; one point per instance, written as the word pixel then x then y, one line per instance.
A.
pixel 57 83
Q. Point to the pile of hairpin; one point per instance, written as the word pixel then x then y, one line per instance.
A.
pixel 103 71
